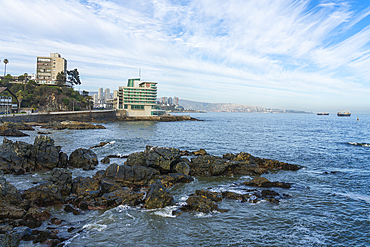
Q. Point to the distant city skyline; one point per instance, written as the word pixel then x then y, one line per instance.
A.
pixel 310 55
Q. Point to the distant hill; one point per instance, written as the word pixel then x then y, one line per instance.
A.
pixel 228 107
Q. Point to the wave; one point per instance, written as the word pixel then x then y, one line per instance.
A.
pixel 166 212
pixel 359 144
pixel 361 197
pixel 95 226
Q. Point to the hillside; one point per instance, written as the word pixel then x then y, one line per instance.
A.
pixel 228 107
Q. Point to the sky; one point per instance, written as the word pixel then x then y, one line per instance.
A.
pixel 311 55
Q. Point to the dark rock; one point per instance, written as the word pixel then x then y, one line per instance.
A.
pixel 174 178
pixel 182 167
pixel 8 193
pixel 10 212
pixel 83 205
pixel 214 196
pixel 83 158
pixel 23 232
pixel 34 217
pixel 9 240
pixel 265 183
pixel 117 156
pixel 200 204
pixel 43 195
pixel 208 165
pixel 136 159
pixel 43 155
pixel 130 175
pixel 162 158
pixel 102 144
pixel 108 185
pixel 12 132
pixel 200 152
pixel 106 160
pixel 123 196
pixel 158 196
pixel 63 160
pixel 71 125
pixel 62 178
pixel 83 185
pixel 55 221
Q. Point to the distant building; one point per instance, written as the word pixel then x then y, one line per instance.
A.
pixel 170 101
pixel 48 68
pixel 115 94
pixel 176 100
pixel 138 98
pixel 100 93
pixel 107 94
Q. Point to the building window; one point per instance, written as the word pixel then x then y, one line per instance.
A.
pixel 137 107
pixel 126 106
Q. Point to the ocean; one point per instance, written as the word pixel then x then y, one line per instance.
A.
pixel 330 196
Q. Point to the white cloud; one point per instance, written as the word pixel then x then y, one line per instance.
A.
pixel 275 53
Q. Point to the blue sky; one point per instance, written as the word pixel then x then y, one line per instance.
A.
pixel 287 54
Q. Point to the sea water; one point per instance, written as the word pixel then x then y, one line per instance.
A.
pixel 330 197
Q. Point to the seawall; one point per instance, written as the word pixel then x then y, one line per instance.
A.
pixel 87 116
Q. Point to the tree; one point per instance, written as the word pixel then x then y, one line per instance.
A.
pixel 61 78
pixel 74 77
pixel 6 61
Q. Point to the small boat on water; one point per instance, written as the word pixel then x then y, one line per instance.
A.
pixel 323 113
pixel 343 113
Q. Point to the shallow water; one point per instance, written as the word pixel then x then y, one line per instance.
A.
pixel 330 196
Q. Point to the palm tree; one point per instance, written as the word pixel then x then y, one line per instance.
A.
pixel 5 61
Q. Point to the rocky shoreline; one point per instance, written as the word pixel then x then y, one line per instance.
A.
pixel 142 181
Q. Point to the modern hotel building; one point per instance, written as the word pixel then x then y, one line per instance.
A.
pixel 138 98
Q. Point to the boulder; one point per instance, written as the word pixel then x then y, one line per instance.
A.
pixel 9 240
pixel 17 126
pixel 105 160
pixel 8 211
pixel 123 196
pixel 214 196
pixel 107 185
pixel 8 193
pixel 136 159
pixel 162 158
pixel 34 217
pixel 200 152
pixel 83 158
pixel 71 125
pixel 101 144
pixel 84 185
pixel 158 196
pixel 208 165
pixel 43 195
pixel 182 167
pixel 200 204
pixel 45 153
pixel 62 178
pixel 130 175
pixel 19 157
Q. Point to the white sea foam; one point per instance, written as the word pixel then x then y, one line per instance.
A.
pixel 359 144
pixel 95 226
pixel 166 212
pixel 203 215
pixel 184 198
pixel 122 208
pixel 355 196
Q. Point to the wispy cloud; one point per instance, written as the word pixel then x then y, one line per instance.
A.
pixel 273 53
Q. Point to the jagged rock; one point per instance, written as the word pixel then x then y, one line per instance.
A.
pixel 45 153
pixel 130 175
pixel 208 165
pixel 162 158
pixel 8 211
pixel 16 157
pixel 106 160
pixel 43 195
pixel 123 196
pixel 200 204
pixel 158 196
pixel 62 178
pixel 174 178
pixel 17 126
pixel 83 158
pixel 84 185
pixel 63 160
pixel 8 193
pixel 214 196
pixel 200 152
pixel 265 183
pixel 136 159
pixel 182 167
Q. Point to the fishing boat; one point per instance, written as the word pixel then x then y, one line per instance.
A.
pixel 343 113
pixel 323 113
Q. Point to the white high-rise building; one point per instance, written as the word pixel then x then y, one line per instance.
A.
pixel 100 93
pixel 107 94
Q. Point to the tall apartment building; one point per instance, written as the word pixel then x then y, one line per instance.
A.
pixel 48 68
pixel 176 100
pixel 100 93
pixel 107 94
pixel 138 98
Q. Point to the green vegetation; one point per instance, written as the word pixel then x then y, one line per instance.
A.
pixel 46 97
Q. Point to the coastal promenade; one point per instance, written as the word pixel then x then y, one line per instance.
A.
pixel 85 116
